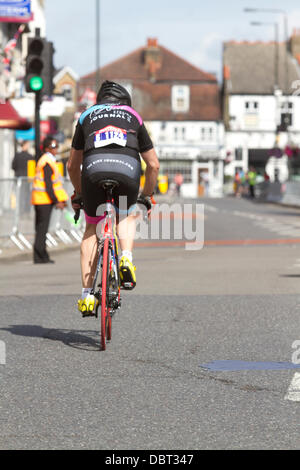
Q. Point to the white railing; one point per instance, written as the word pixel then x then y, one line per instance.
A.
pixel 17 217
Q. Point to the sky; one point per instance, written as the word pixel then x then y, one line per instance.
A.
pixel 193 29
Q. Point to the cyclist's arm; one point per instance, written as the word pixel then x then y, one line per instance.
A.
pixel 152 170
pixel 74 168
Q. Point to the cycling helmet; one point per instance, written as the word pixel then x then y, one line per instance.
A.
pixel 113 92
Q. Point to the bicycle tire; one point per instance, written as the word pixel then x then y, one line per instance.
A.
pixel 105 314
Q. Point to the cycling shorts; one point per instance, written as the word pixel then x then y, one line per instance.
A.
pixel 98 167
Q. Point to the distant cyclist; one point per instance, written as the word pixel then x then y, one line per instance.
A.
pixel 108 141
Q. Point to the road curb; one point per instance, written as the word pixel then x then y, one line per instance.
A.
pixel 16 256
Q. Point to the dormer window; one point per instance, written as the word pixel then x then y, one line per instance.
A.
pixel 67 92
pixel 180 98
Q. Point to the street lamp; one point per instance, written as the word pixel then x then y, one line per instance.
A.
pixel 286 34
pixel 284 13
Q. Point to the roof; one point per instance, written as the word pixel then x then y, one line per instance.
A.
pixel 132 67
pixel 60 73
pixel 10 118
pixel 152 71
pixel 250 67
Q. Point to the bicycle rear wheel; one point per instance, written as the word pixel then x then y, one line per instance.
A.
pixel 105 311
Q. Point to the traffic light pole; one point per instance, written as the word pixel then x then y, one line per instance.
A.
pixel 37 125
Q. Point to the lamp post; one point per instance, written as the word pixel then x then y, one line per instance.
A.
pixel 286 35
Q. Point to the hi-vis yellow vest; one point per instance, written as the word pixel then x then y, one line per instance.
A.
pixel 39 195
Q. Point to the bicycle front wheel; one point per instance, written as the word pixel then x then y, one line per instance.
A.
pixel 105 313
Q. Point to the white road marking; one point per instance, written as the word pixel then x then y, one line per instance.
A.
pixel 210 208
pixel 293 393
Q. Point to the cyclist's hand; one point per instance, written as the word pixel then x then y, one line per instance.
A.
pixel 147 201
pixel 76 201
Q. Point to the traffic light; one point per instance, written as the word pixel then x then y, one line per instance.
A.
pixel 48 70
pixel 39 66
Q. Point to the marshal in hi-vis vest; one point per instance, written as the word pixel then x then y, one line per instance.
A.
pixel 39 195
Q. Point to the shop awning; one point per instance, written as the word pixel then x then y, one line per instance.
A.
pixel 10 118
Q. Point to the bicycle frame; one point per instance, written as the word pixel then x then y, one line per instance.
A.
pixel 106 230
pixel 109 286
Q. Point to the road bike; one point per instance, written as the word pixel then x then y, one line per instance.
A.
pixel 107 283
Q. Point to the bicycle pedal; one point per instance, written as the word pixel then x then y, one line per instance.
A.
pixel 128 285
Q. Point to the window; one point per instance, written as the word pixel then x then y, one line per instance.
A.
pixel 239 154
pixel 207 134
pixel 179 133
pixel 286 120
pixel 251 106
pixel 180 98
pixel 67 92
pixel 287 106
pixel 172 168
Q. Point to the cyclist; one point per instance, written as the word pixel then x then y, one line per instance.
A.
pixel 107 143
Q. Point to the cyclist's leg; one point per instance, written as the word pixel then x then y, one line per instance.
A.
pixel 88 255
pixel 88 260
pixel 126 232
pixel 126 229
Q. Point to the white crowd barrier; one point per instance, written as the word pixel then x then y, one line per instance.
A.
pixel 17 224
pixel 285 193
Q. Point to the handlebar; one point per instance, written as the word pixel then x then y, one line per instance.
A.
pixel 146 202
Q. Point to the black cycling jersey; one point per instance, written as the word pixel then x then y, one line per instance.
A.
pixel 112 136
pixel 107 128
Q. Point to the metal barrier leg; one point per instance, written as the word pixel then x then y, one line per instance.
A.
pixel 76 235
pixel 63 236
pixel 50 240
pixel 17 242
pixel 25 241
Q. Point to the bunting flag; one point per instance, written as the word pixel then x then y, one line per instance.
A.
pixel 10 46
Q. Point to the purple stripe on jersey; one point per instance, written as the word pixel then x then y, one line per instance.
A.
pixel 131 110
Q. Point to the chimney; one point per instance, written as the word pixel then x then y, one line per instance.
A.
pixel 152 58
pixel 295 43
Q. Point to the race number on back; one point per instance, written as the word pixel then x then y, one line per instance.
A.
pixel 110 135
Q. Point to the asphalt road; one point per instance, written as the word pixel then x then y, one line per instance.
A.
pixel 161 383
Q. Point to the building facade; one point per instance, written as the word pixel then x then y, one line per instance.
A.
pixel 261 107
pixel 14 31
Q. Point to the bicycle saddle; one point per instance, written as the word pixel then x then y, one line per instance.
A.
pixel 109 184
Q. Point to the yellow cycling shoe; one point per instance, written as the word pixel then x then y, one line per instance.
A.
pixel 88 305
pixel 127 274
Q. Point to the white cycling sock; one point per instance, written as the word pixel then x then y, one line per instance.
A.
pixel 128 255
pixel 85 292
